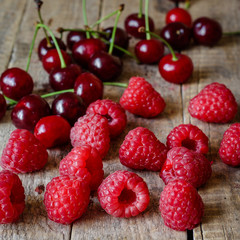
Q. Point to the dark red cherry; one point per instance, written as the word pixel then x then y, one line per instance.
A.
pixel 83 50
pixel 177 34
pixel 16 83
pixel 3 106
pixel 88 87
pixel 178 71
pixel 74 37
pixel 51 60
pixel 52 131
pixel 64 78
pixel 105 66
pixel 206 31
pixel 69 106
pixel 149 51
pixel 121 39
pixel 133 23
pixel 28 111
pixel 179 15
pixel 43 47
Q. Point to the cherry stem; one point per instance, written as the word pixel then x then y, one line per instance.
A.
pixel 56 93
pixel 61 30
pixel 187 4
pixel 237 33
pixel 148 35
pixel 31 48
pixel 63 64
pixel 121 8
pixel 11 101
pixel 85 17
pixel 140 9
pixel 117 84
pixel 176 4
pixel 39 5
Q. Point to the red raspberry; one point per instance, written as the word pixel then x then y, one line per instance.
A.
pixel 181 206
pixel 187 165
pixel 91 129
pixel 84 162
pixel 23 153
pixel 114 113
pixel 142 150
pixel 12 198
pixel 66 199
pixel 230 146
pixel 215 104
pixel 141 99
pixel 189 136
pixel 123 194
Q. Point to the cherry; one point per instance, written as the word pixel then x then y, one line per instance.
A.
pixel 44 47
pixel 64 78
pixel 51 60
pixel 69 106
pixel 177 35
pixel 133 22
pixel 52 131
pixel 179 15
pixel 3 106
pixel 16 83
pixel 88 87
pixel 176 70
pixel 28 111
pixel 206 31
pixel 149 51
pixel 74 37
pixel 105 66
pixel 84 49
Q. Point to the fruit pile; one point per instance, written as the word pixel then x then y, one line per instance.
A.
pixel 79 115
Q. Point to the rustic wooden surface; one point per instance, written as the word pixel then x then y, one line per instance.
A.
pixel 220 63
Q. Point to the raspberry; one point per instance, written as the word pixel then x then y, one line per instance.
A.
pixel 84 162
pixel 12 198
pixel 114 113
pixel 215 104
pixel 23 153
pixel 141 99
pixel 91 129
pixel 181 206
pixel 189 136
pixel 123 194
pixel 187 165
pixel 230 146
pixel 66 199
pixel 142 150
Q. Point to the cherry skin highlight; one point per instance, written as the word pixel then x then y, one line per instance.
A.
pixel 3 106
pixel 74 37
pixel 16 83
pixel 149 51
pixel 179 15
pixel 178 71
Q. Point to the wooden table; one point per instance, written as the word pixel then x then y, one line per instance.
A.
pixel 221 195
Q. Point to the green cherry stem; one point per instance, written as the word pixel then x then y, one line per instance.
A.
pixel 61 30
pixel 116 84
pixel 56 93
pixel 187 4
pixel 84 12
pixel 11 101
pixel 237 33
pixel 148 35
pixel 63 64
pixel 121 8
pixel 140 9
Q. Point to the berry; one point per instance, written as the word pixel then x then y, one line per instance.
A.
pixel 142 150
pixel 23 153
pixel 188 136
pixel 215 104
pixel 123 194
pixel 179 15
pixel 184 164
pixel 52 131
pixel 181 206
pixel 176 71
pixel 85 163
pixel 66 199
pixel 114 113
pixel 206 31
pixel 91 129
pixel 3 106
pixel 230 146
pixel 12 201
pixel 74 37
pixel 141 99
pixel 16 83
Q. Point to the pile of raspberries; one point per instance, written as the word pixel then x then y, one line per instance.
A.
pixel 181 163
